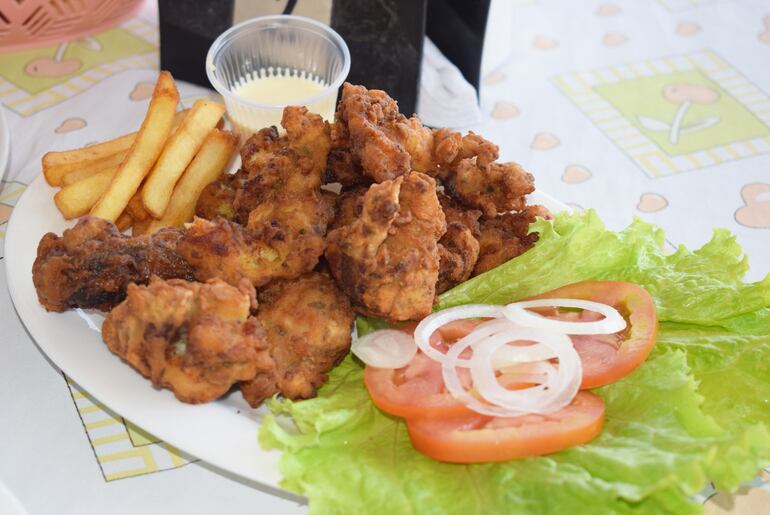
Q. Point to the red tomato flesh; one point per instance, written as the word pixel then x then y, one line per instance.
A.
pixel 477 438
pixel 417 390
pixel 609 357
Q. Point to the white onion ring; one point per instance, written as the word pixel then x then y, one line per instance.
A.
pixel 611 323
pixel 494 348
pixel 557 392
pixel 385 348
pixel 453 386
pixel 432 323
pixel 502 358
pixel 507 355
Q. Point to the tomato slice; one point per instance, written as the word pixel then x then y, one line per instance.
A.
pixel 607 358
pixel 417 390
pixel 478 439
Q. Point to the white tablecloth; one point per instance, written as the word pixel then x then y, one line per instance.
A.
pixel 587 99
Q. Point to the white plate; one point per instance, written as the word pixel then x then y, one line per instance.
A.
pixel 222 433
pixel 9 504
pixel 5 143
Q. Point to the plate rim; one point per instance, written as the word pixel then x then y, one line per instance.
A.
pixel 5 144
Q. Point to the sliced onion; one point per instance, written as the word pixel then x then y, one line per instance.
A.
pixel 508 355
pixel 432 323
pixel 556 393
pixel 386 348
pixel 611 323
pixel 517 341
pixel 453 386
pixel 503 358
pixel 537 372
pixel 558 390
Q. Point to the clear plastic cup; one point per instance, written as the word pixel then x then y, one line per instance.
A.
pixel 264 64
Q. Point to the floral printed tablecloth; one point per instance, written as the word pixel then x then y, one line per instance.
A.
pixel 657 109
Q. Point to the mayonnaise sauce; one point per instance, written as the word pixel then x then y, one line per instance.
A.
pixel 277 90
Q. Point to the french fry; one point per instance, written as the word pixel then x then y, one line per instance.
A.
pixel 88 168
pixel 124 221
pixel 144 152
pixel 96 157
pixel 136 209
pixel 206 167
pixel 78 198
pixel 91 168
pixel 178 153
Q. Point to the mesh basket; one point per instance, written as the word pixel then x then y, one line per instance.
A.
pixel 34 23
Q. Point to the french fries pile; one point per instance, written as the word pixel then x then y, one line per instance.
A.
pixel 151 178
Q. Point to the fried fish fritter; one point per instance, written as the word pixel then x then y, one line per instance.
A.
pixel 341 166
pixel 92 264
pixel 470 174
pixel 387 260
pixel 450 148
pixel 383 141
pixel 308 324
pixel 459 247
pixel 276 200
pixel 507 236
pixel 282 240
pixel 220 198
pixel 292 163
pixel 496 188
pixel 192 338
pixel 348 206
pixel 273 167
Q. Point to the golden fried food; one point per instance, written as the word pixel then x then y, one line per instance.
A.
pixel 273 166
pixel 386 143
pixel 467 169
pixel 87 160
pixel 348 206
pixel 420 211
pixel 179 151
pixel 124 221
pixel 295 227
pixel 283 239
pixel 450 148
pixel 76 199
pixel 144 152
pixel 92 264
pixel 295 162
pixel 387 260
pixel 507 236
pixel 496 188
pixel 308 323
pixel 218 197
pixel 192 338
pixel 458 252
pixel 341 166
pixel 281 213
pixel 207 166
pixel 459 247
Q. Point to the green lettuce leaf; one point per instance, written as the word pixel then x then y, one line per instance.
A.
pixel 349 457
pixel 696 410
pixel 702 287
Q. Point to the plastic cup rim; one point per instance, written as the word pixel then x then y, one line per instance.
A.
pixel 327 30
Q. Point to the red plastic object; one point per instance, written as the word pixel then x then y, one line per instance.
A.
pixel 34 23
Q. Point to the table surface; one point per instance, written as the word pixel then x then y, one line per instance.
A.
pixel 655 109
